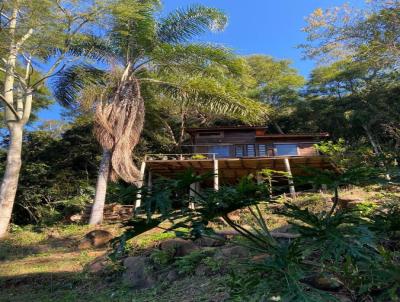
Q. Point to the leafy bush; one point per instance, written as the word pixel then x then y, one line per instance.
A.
pixel 187 264
pixel 162 257
pixel 354 248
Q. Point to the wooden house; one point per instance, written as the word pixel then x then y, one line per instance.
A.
pixel 233 152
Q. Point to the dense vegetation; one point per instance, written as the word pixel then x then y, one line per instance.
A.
pixel 134 88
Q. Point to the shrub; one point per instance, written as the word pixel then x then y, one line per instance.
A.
pixel 187 264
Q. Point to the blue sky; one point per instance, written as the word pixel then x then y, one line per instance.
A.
pixel 271 27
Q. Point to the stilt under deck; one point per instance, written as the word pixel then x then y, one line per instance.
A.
pixel 226 170
pixel 229 170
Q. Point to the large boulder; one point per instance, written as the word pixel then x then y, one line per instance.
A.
pixel 179 247
pixel 95 239
pixel 232 252
pixel 98 265
pixel 137 273
pixel 208 241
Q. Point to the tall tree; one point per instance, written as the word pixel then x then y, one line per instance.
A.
pixel 144 50
pixel 370 34
pixel 37 39
pixel 275 83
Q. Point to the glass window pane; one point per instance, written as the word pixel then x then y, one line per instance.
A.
pixel 220 151
pixel 251 151
pixel 286 149
pixel 262 151
pixel 239 151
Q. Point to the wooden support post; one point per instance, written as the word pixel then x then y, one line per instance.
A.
pixel 290 178
pixel 149 180
pixel 216 177
pixel 140 184
pixel 192 194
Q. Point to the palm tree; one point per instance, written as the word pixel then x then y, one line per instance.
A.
pixel 142 50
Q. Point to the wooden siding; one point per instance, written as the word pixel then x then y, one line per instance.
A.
pixel 228 137
pixel 242 137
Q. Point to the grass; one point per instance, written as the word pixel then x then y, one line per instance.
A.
pixel 43 264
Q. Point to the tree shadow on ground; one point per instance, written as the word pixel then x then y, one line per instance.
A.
pixel 60 286
pixel 13 250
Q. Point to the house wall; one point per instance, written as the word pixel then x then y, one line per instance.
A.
pixel 204 143
pixel 227 137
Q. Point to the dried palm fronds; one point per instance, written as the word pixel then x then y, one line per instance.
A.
pixel 118 124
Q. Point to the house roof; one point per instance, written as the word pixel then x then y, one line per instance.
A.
pixel 294 135
pixel 190 130
pixel 289 135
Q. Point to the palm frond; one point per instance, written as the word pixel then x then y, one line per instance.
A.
pixel 69 83
pixel 197 57
pixel 92 47
pixel 208 95
pixel 183 24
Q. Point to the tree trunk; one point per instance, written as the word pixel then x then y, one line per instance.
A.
pixel 96 216
pixel 280 131
pixel 9 185
pixel 371 140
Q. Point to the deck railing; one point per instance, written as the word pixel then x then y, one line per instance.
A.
pixel 181 156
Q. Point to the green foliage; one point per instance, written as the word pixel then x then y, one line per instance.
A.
pixel 332 236
pixel 187 264
pixel 276 81
pixel 385 220
pixel 199 156
pixel 162 257
pixel 181 25
pixel 341 246
pixel 52 186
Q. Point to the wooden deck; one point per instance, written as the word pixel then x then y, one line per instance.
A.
pixel 233 168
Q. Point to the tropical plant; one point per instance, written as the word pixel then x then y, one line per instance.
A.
pixel 160 56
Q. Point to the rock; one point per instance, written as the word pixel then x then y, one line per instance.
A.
pixel 283 229
pixel 172 276
pixel 231 252
pixel 324 282
pixel 97 265
pixel 260 258
pixel 96 239
pixel 180 246
pixel 216 240
pixel 137 274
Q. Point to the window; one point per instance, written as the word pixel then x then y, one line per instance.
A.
pixel 262 150
pixel 220 151
pixel 239 151
pixel 286 149
pixel 251 152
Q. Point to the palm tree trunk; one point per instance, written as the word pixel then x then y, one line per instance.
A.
pixel 96 215
pixel 9 185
